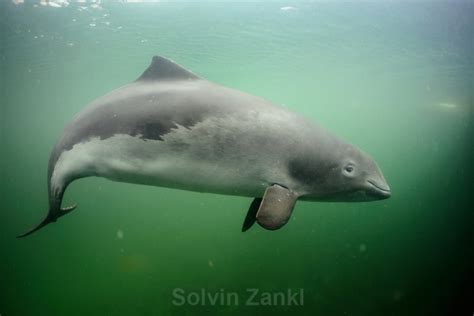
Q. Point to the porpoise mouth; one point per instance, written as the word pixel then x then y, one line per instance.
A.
pixel 382 191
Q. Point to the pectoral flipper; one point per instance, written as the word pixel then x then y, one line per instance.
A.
pixel 274 209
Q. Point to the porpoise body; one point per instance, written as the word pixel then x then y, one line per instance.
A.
pixel 171 128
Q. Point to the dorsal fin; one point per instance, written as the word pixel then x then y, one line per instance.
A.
pixel 164 69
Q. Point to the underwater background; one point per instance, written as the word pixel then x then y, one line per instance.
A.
pixel 395 78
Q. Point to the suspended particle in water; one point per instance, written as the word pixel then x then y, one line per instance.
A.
pixel 447 105
pixel 119 234
pixel 362 247
pixel 397 295
pixel 210 264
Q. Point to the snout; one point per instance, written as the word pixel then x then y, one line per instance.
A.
pixel 379 189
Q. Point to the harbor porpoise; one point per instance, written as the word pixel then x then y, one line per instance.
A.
pixel 173 129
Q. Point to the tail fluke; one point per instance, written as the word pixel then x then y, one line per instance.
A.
pixel 50 218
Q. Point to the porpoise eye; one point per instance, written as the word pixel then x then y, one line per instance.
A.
pixel 349 170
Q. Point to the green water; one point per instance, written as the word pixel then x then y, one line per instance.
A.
pixel 394 78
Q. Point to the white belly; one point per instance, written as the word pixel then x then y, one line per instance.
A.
pixel 131 159
pixel 231 161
